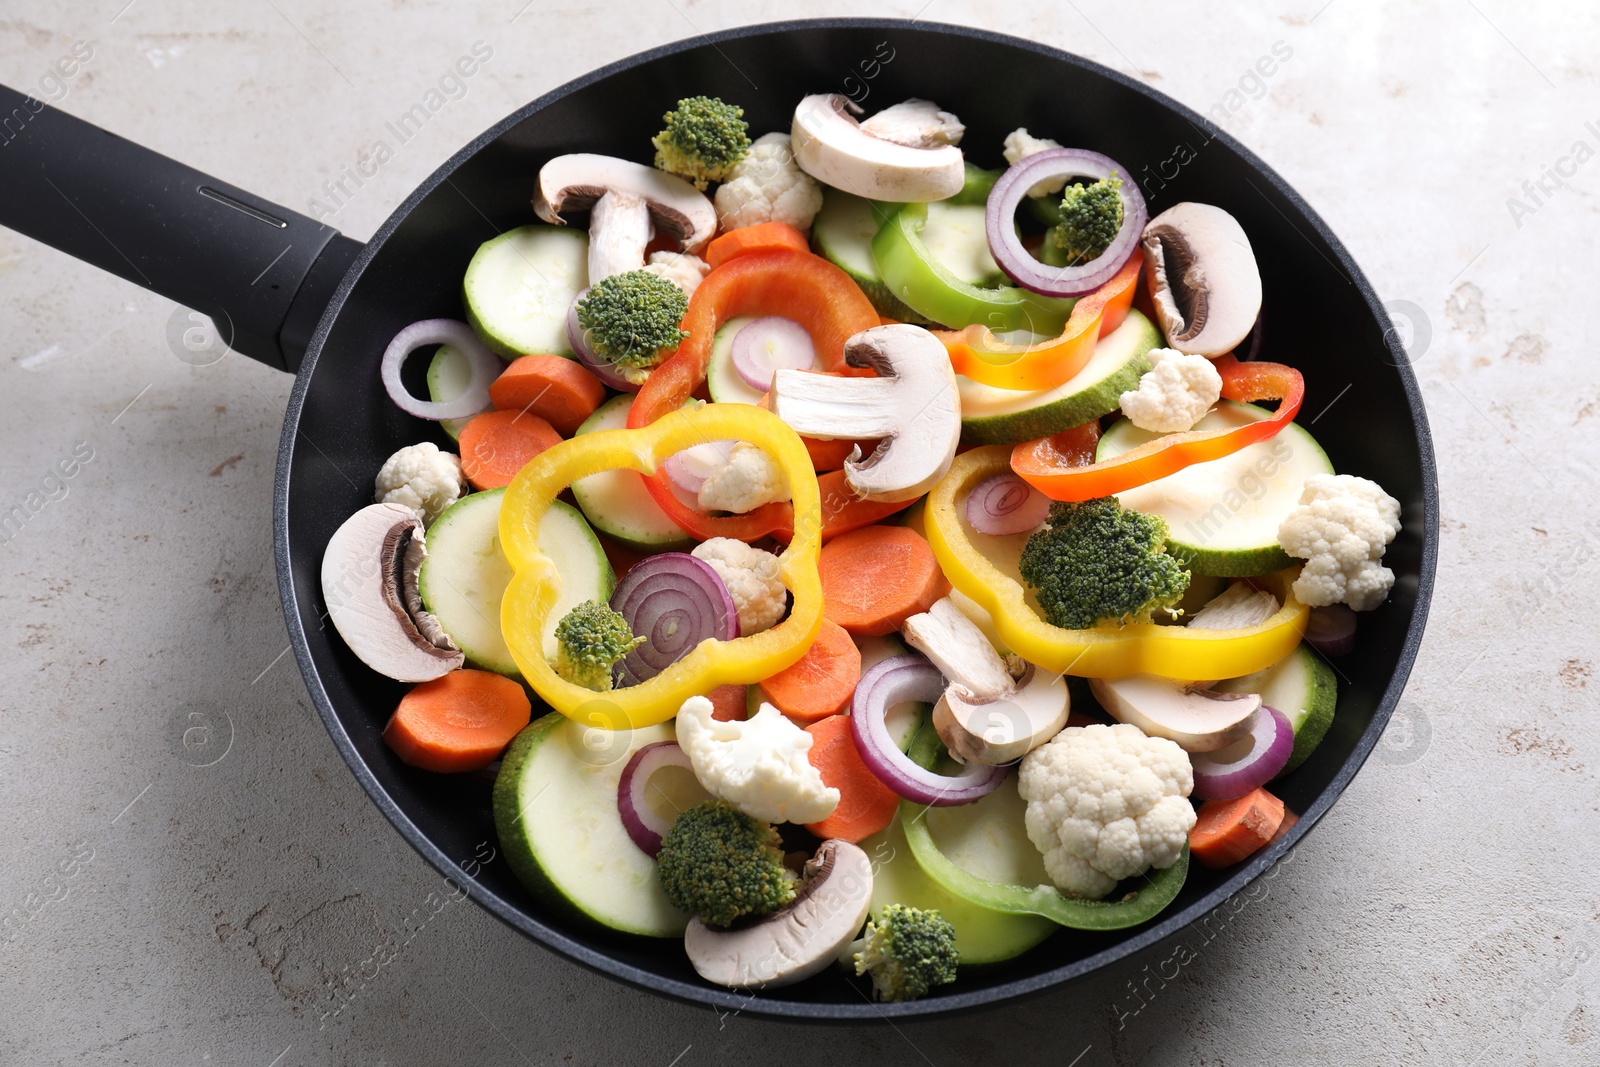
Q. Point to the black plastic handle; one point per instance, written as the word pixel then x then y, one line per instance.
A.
pixel 263 273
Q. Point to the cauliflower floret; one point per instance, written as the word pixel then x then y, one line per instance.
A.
pixel 1340 529
pixel 1106 803
pixel 1174 394
pixel 767 185
pixel 1020 144
pixel 421 477
pixel 680 268
pixel 747 479
pixel 759 765
pixel 751 575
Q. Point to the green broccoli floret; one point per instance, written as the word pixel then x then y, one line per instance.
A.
pixel 592 638
pixel 1095 561
pixel 633 319
pixel 907 951
pixel 1091 216
pixel 704 138
pixel 720 864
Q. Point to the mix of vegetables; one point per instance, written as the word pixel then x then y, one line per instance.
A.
pixel 800 501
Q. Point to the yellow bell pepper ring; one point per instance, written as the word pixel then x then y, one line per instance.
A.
pixel 1107 651
pixel 535 583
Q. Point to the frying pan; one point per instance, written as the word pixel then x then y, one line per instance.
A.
pixel 295 294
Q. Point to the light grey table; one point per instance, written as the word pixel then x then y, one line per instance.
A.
pixel 1445 911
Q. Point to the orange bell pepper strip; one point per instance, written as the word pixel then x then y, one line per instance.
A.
pixel 831 308
pixel 1049 463
pixel 977 353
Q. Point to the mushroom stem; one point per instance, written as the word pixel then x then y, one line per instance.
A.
pixel 619 231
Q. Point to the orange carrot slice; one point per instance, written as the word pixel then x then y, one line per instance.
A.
pixel 821 682
pixel 560 391
pixel 866 805
pixel 496 444
pixel 875 578
pixel 728 703
pixel 1229 830
pixel 461 722
pixel 758 238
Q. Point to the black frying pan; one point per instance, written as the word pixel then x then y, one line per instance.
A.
pixel 299 296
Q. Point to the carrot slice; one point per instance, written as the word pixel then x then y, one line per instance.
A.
pixel 1229 830
pixel 875 578
pixel 758 238
pixel 461 722
pixel 496 444
pixel 728 703
pixel 560 391
pixel 866 805
pixel 821 682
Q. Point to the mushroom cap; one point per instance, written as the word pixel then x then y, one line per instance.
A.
pixel 912 405
pixel 797 941
pixel 369 584
pixel 1206 286
pixel 1197 719
pixel 1007 728
pixel 574 182
pixel 832 147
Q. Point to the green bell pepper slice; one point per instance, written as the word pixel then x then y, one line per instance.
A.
pixel 931 289
pixel 1141 905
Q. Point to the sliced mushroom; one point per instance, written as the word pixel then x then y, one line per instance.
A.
pixel 627 203
pixel 984 715
pixel 1197 719
pixel 912 405
pixel 797 941
pixel 1237 607
pixel 1206 286
pixel 369 583
pixel 834 148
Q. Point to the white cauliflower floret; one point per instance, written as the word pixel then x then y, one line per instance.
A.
pixel 767 185
pixel 1020 144
pixel 421 477
pixel 747 479
pixel 1106 803
pixel 680 268
pixel 759 765
pixel 1174 394
pixel 915 123
pixel 1340 529
pixel 751 575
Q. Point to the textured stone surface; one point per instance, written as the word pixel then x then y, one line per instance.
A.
pixel 245 911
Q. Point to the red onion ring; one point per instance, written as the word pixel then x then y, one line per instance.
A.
pixel 1005 504
pixel 638 818
pixel 1019 264
pixel 674 601
pixel 769 344
pixel 885 684
pixel 1271 741
pixel 597 364
pixel 485 367
pixel 1331 630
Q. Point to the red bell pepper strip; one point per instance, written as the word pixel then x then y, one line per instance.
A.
pixel 977 353
pixel 794 284
pixel 1051 464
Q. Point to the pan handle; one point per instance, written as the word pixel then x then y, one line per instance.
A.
pixel 263 273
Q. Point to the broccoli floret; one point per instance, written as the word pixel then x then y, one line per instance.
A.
pixel 1091 216
pixel 907 951
pixel 720 864
pixel 704 138
pixel 633 319
pixel 1095 561
pixel 591 639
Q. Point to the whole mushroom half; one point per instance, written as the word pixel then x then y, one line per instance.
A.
pixel 906 153
pixel 912 405
pixel 369 583
pixel 985 716
pixel 628 202
pixel 797 941
pixel 1196 718
pixel 1205 284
